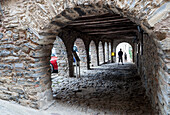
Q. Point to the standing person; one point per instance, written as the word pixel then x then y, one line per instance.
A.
pixel 120 53
pixel 125 57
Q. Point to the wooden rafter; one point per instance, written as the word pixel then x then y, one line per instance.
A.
pixel 90 30
pixel 104 26
pixel 112 32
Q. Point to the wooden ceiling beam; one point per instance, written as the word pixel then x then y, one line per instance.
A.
pixel 96 16
pixel 90 30
pixel 118 36
pixel 112 32
pixel 99 22
pixel 98 19
pixel 102 25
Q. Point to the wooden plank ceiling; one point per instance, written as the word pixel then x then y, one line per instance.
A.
pixel 106 25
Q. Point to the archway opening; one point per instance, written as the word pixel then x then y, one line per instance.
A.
pixel 58 63
pixel 106 52
pixel 81 52
pixel 93 54
pixel 101 53
pixel 127 52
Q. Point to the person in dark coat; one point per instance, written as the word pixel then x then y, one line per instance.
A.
pixel 125 57
pixel 120 53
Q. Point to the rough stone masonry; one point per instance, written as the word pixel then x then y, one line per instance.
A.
pixel 29 28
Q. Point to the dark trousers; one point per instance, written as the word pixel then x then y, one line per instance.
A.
pixel 120 59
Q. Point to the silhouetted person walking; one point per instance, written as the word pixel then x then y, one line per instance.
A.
pixel 120 53
pixel 125 57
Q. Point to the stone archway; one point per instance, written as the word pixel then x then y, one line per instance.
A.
pixel 93 54
pixel 62 58
pixel 101 55
pixel 130 41
pixel 127 50
pixel 106 52
pixel 79 43
pixel 32 32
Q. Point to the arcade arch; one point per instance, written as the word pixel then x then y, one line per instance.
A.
pixel 127 52
pixel 93 54
pixel 79 43
pixel 101 53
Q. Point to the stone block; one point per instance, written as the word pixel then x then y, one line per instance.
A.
pixel 5 96
pixel 24 102
pixel 5 53
pixel 1 35
pixel 19 65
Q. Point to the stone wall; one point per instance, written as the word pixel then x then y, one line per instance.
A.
pixel 154 78
pixel 24 68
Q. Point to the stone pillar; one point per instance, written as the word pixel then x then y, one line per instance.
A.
pixel 88 56
pixel 114 50
pixel 104 57
pixel 69 41
pixel 108 51
pixel 97 53
pixel 109 44
pixel 112 60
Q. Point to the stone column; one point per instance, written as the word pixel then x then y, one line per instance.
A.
pixel 108 51
pixel 103 45
pixel 88 56
pixel 112 61
pixel 114 50
pixel 97 53
pixel 69 41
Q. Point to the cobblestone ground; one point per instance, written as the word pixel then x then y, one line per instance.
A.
pixel 108 89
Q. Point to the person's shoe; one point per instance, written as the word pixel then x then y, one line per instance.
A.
pixel 122 64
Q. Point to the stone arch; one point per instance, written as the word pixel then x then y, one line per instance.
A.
pixel 106 52
pixel 101 51
pixel 93 54
pixel 62 58
pixel 117 42
pixel 126 48
pixel 38 28
pixel 79 43
pixel 141 13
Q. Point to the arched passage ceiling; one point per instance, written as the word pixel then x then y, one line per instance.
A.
pixel 39 16
pixel 108 25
